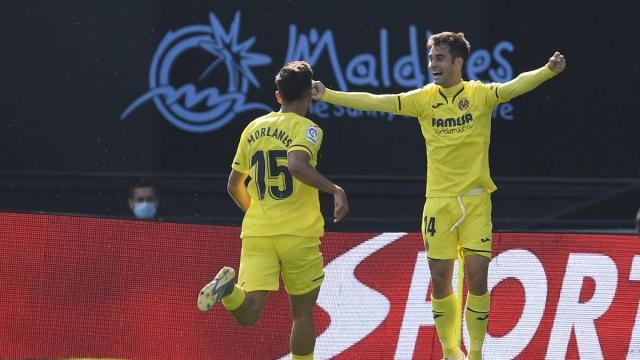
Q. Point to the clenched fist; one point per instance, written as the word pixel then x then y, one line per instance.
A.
pixel 557 63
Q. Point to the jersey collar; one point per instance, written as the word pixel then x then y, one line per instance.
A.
pixel 451 91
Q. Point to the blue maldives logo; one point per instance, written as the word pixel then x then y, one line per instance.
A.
pixel 208 109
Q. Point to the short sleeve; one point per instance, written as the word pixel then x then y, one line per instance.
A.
pixel 412 103
pixel 492 95
pixel 308 138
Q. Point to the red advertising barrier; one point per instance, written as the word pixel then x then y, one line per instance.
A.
pixel 86 287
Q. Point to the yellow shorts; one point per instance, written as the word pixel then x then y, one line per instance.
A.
pixel 457 224
pixel 297 259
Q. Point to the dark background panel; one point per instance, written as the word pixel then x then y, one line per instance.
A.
pixel 70 69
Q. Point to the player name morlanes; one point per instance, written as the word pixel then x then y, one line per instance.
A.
pixel 267 131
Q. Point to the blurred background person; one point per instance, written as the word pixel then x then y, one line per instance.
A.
pixel 144 199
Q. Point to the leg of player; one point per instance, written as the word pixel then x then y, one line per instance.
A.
pixel 245 307
pixel 478 302
pixel 445 310
pixel 249 311
pixel 303 334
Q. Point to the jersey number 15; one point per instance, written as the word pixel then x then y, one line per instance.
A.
pixel 274 172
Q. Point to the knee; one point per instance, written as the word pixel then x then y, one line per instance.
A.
pixel 441 287
pixel 439 278
pixel 477 283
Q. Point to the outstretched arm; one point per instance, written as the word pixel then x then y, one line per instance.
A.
pixel 528 81
pixel 355 100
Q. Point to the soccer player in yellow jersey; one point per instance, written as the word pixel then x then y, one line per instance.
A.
pixel 282 224
pixel 455 119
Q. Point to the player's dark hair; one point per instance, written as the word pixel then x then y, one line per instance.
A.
pixel 294 80
pixel 458 46
pixel 142 183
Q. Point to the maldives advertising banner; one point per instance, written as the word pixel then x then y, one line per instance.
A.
pixel 165 86
pixel 104 288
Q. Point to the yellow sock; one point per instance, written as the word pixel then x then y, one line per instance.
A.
pixel 477 315
pixel 302 357
pixel 235 299
pixel 474 355
pixel 445 313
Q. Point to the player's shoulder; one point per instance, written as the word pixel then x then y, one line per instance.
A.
pixel 305 122
pixel 420 94
pixel 306 127
pixel 425 89
pixel 480 88
pixel 429 87
pixel 475 84
pixel 259 121
pixel 309 122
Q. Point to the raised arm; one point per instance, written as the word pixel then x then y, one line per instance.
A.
pixel 356 100
pixel 529 80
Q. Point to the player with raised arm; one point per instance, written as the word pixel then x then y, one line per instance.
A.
pixel 455 119
pixel 282 224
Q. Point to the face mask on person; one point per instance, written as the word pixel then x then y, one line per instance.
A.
pixel 144 210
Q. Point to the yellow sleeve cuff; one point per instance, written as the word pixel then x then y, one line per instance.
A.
pixel 300 147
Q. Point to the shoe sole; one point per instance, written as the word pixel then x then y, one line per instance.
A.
pixel 211 294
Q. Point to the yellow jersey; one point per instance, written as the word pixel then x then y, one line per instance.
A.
pixel 280 203
pixel 455 123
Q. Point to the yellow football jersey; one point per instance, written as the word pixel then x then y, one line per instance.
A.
pixel 455 122
pixel 280 203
